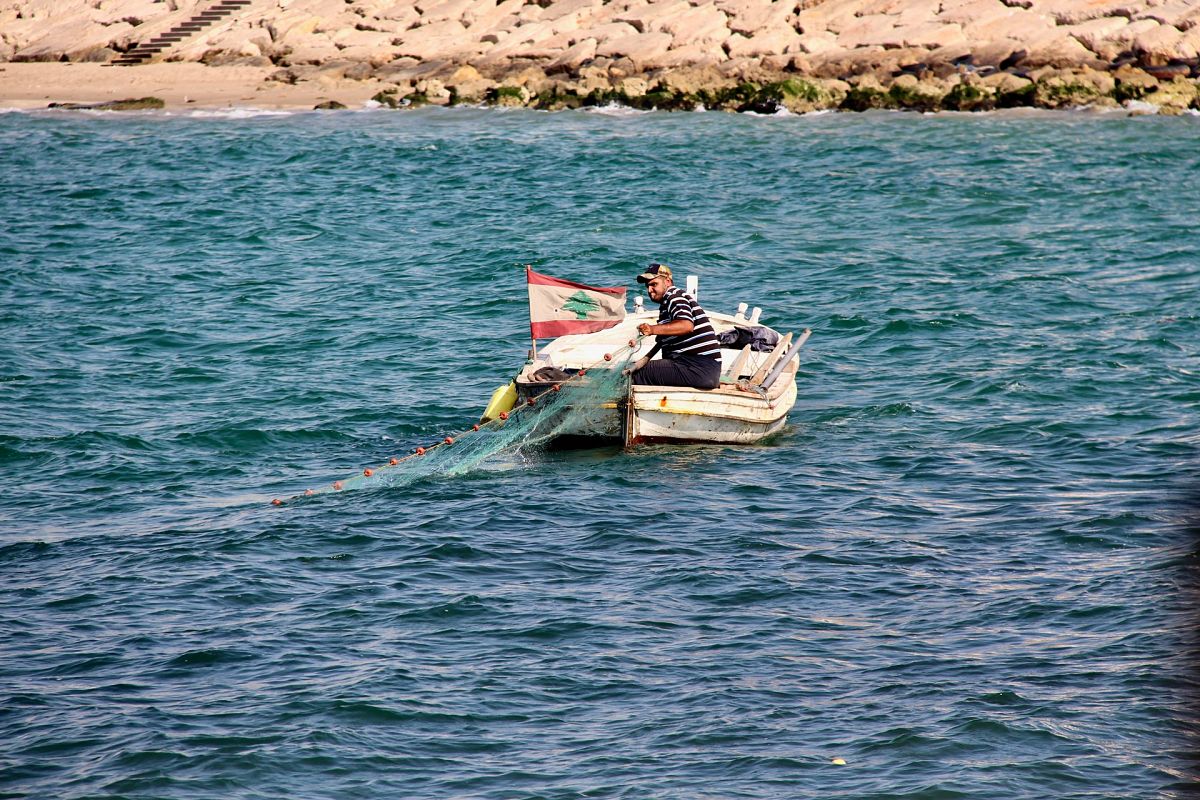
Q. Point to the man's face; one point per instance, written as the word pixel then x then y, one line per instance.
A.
pixel 657 287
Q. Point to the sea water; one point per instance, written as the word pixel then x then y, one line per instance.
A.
pixel 964 569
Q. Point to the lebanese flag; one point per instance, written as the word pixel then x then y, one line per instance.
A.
pixel 558 307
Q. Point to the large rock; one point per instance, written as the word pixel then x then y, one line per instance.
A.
pixel 1162 44
pixel 484 19
pixel 773 41
pixel 640 48
pixel 442 10
pixel 575 56
pixel 930 35
pixel 1019 25
pixel 311 49
pixel 872 29
pixel 76 36
pixel 820 42
pixel 974 12
pixel 439 40
pixel 1096 33
pixel 652 18
pixel 580 9
pixel 705 54
pixel 702 25
pixel 1062 50
pixel 752 17
pixel 1074 12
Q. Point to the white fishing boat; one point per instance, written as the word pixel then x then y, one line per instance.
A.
pixel 758 387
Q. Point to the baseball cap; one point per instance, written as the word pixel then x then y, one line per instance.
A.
pixel 653 271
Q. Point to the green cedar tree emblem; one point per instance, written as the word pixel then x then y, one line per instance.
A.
pixel 580 304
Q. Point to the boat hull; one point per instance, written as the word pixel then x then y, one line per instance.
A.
pixel 678 414
pixel 674 414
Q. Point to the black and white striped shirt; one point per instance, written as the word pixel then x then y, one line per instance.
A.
pixel 701 342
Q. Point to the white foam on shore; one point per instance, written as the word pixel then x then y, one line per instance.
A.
pixel 614 110
pixel 234 112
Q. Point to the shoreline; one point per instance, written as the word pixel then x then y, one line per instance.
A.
pixel 195 86
pixel 732 55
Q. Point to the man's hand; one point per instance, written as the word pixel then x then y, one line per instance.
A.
pixel 644 328
pixel 641 362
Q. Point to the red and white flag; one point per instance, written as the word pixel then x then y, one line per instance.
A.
pixel 558 307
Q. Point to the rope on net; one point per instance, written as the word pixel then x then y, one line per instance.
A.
pixel 527 425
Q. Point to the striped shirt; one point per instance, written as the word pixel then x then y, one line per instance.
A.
pixel 701 342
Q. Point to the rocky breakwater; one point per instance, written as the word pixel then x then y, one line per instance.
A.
pixel 747 55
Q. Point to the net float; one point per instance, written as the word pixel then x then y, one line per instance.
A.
pixel 420 451
pixel 276 502
pixel 608 356
pixel 368 472
pixel 474 427
pixel 337 485
pixel 449 440
pixel 393 462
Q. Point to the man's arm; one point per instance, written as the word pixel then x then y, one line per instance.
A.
pixel 676 327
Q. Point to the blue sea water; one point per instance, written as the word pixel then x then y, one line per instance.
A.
pixel 966 568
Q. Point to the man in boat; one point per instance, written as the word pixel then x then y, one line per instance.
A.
pixel 691 354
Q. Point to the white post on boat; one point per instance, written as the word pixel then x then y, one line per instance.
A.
pixel 754 315
pixel 783 362
pixel 740 316
pixel 780 348
pixel 637 304
pixel 693 287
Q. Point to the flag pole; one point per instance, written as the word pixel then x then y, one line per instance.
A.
pixel 532 338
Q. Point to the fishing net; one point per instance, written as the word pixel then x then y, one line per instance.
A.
pixel 561 408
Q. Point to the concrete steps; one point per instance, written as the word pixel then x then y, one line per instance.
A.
pixel 145 51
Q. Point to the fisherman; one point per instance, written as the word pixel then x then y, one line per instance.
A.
pixel 691 354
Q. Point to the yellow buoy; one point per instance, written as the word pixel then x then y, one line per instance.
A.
pixel 503 399
pixel 841 762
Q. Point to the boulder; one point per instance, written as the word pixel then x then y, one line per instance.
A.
pixel 313 49
pixel 752 17
pixel 484 19
pixel 1019 25
pixel 873 29
pixel 641 48
pixel 917 95
pixel 818 43
pixel 772 41
pixel 633 87
pixel 1161 45
pixel 439 40
pixel 1176 96
pixel 1133 84
pixel 1062 50
pixel 128 104
pixel 705 54
pixel 702 25
pixel 575 56
pixel 1094 33
pixel 580 9
pixel 1074 12
pixel 973 12
pixel 1005 83
pixel 442 10
pixel 931 35
pixel 1064 89
pixel 651 18
pixel 433 91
